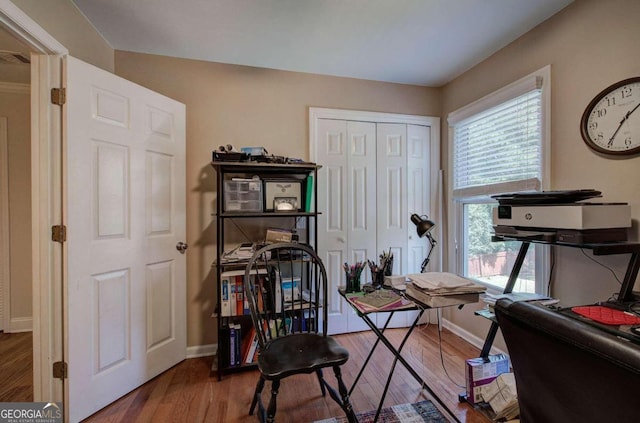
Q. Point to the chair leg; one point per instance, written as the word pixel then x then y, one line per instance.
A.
pixel 271 411
pixel 344 393
pixel 256 395
pixel 321 380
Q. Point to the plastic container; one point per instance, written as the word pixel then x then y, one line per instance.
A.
pixel 243 196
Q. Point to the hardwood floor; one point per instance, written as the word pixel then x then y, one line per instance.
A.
pixel 188 393
pixel 16 367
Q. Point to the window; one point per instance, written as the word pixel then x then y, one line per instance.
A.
pixel 498 144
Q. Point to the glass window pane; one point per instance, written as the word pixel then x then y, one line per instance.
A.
pixel 491 262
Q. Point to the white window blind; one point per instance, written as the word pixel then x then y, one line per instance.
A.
pixel 499 149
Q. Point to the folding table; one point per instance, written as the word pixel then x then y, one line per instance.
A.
pixel 364 312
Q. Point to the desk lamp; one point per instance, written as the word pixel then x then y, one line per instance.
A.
pixel 424 226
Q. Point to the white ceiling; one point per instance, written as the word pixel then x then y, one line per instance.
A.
pixel 421 42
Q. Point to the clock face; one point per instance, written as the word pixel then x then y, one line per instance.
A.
pixel 611 122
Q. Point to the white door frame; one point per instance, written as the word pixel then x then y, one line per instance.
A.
pixel 5 274
pixel 46 198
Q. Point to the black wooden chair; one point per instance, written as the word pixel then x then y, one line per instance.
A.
pixel 286 287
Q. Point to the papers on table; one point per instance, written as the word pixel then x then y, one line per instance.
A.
pixel 443 283
pixel 441 289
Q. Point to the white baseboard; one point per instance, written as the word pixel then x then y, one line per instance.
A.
pixel 20 324
pixel 469 337
pixel 202 350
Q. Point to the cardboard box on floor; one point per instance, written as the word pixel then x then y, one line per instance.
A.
pixel 480 372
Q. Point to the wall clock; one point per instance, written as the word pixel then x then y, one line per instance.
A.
pixel 611 122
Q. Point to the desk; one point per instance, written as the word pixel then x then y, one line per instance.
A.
pixel 364 314
pixel 625 295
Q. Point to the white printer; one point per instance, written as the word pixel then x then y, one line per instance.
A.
pixel 579 216
pixel 561 215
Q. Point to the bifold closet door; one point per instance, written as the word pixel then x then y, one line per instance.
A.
pixel 347 197
pixel 373 176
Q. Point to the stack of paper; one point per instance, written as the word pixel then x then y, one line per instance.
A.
pixel 502 395
pixel 440 289
pixel 490 299
pixel 443 283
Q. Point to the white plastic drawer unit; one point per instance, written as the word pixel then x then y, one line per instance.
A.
pixel 243 196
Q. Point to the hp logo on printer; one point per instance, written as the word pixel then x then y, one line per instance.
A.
pixel 528 216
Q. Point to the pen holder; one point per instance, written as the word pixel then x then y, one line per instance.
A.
pixel 377 278
pixel 353 283
pixel 388 267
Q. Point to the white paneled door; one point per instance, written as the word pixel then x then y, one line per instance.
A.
pixel 125 214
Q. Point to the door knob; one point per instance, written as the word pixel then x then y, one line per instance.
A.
pixel 182 247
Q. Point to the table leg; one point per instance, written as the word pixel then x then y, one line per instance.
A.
pixel 373 348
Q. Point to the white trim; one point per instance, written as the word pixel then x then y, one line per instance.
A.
pixel 202 350
pixel 14 88
pixel 46 206
pixel 469 337
pixel 316 113
pixel 27 30
pixel 20 324
pixel 5 263
pixel 46 211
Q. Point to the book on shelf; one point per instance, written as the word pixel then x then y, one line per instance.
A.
pixel 232 344
pixel 224 339
pixel 249 357
pixel 232 298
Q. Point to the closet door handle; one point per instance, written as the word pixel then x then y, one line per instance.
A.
pixel 341 240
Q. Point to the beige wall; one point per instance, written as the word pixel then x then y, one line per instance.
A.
pixel 64 22
pixel 590 45
pixel 16 108
pixel 246 106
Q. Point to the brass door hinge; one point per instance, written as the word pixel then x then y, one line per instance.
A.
pixel 60 370
pixel 58 96
pixel 59 233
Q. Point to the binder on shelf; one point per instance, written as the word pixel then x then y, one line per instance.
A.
pixel 252 345
pixel 232 345
pixel 308 197
pixel 239 295
pixel 232 284
pixel 225 304
pixel 233 297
